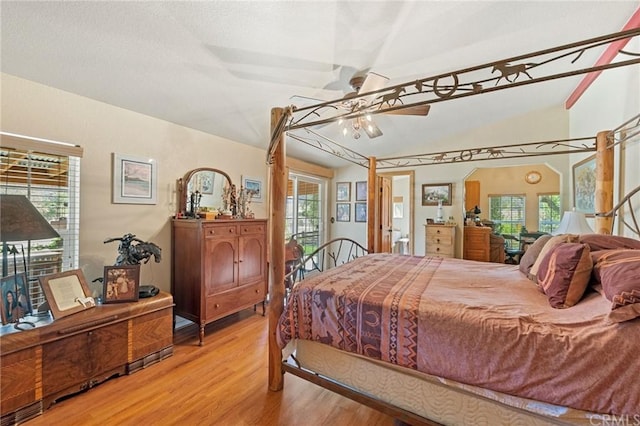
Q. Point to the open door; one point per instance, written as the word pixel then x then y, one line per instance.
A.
pixel 386 226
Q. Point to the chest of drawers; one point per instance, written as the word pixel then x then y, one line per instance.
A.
pixel 440 240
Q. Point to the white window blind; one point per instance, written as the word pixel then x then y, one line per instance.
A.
pixel 48 174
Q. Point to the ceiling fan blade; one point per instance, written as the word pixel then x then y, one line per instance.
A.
pixel 371 129
pixel 371 83
pixel 422 110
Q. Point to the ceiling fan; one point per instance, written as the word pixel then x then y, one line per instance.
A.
pixel 378 102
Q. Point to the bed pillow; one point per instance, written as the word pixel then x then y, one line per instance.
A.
pixel 548 246
pixel 619 273
pixel 529 257
pixel 564 274
pixel 609 242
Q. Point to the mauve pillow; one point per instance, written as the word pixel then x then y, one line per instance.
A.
pixel 550 244
pixel 609 242
pixel 529 257
pixel 619 273
pixel 564 274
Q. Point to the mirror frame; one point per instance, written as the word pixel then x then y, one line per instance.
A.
pixel 183 184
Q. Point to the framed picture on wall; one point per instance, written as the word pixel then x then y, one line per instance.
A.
pixel 361 212
pixel 343 212
pixel 254 185
pixel 361 191
pixel 584 185
pixel 432 193
pixel 343 191
pixel 135 180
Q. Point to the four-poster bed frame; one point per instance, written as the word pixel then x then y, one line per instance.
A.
pixel 436 89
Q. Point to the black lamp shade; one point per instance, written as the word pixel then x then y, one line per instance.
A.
pixel 21 221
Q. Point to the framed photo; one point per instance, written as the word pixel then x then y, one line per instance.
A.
pixel 343 191
pixel 343 212
pixel 361 191
pixel 121 283
pixel 67 293
pixel 584 185
pixel 361 212
pixel 255 186
pixel 135 180
pixel 15 304
pixel 432 193
pixel 205 182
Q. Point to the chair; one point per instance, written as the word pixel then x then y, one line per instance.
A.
pixel 512 255
pixel 293 253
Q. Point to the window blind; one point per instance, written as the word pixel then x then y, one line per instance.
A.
pixel 48 174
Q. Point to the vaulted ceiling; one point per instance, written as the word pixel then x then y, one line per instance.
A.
pixel 220 66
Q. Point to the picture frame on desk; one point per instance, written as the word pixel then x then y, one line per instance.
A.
pixel 121 284
pixel 66 292
pixel 15 302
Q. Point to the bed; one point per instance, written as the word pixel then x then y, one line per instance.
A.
pixel 470 328
pixel 448 341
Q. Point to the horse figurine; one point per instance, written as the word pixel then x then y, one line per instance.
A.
pixel 133 254
pixel 506 70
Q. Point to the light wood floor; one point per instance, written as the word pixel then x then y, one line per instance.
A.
pixel 222 383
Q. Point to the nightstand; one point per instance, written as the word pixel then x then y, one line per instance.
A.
pixel 440 240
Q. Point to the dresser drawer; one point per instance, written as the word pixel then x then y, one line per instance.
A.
pixel 440 250
pixel 226 303
pixel 252 228
pixel 219 231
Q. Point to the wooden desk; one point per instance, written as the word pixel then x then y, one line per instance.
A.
pixel 74 353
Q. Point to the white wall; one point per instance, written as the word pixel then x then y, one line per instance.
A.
pixel 612 99
pixel 35 110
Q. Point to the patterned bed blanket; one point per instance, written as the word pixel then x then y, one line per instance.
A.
pixel 482 324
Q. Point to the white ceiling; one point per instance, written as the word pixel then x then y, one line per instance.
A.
pixel 220 66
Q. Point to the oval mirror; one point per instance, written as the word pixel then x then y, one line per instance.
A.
pixel 209 183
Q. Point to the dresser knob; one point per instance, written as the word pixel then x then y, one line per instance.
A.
pixel 438 231
pixel 217 305
pixel 438 240
pixel 258 291
pixel 437 248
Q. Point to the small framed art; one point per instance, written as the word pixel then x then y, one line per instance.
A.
pixel 67 293
pixel 343 212
pixel 135 180
pixel 343 191
pixel 253 185
pixel 361 212
pixel 433 193
pixel 361 191
pixel 584 185
pixel 15 298
pixel 121 283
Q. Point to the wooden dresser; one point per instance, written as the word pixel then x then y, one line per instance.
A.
pixel 477 243
pixel 64 356
pixel 440 240
pixel 219 267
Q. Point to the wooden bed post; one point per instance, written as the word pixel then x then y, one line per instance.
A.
pixel 371 206
pixel 604 183
pixel 276 300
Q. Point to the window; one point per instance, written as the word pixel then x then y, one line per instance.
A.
pixel 304 211
pixel 507 212
pixel 48 174
pixel 548 212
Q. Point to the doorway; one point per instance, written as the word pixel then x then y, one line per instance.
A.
pixel 395 210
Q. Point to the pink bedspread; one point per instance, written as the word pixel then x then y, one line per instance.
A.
pixel 478 323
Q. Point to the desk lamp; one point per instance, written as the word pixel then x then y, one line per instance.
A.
pixel 20 221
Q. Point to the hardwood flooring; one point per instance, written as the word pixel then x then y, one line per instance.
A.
pixel 223 382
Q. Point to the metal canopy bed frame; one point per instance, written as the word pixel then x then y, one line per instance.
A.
pixel 527 69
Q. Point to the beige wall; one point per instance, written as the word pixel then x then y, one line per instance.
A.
pixel 35 110
pixel 510 181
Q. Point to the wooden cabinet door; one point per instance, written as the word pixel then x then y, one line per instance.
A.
pixel 220 264
pixel 252 253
